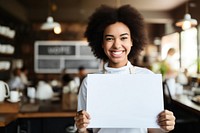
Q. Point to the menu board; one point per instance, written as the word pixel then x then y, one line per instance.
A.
pixel 54 56
pixel 56 50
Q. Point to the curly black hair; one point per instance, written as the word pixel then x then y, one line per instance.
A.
pixel 105 16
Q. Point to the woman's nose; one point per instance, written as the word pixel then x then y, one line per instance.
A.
pixel 117 44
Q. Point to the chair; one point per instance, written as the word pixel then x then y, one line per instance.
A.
pixel 185 120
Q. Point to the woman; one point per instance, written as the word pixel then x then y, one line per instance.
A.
pixel 117 35
pixel 171 63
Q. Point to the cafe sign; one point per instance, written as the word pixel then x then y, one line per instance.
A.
pixel 54 56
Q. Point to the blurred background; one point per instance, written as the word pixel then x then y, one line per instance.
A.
pixel 42 44
pixel 23 21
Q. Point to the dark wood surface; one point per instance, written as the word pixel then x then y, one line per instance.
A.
pixel 186 102
pixel 64 106
pixel 7 118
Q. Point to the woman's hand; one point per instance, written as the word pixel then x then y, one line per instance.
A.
pixel 82 119
pixel 166 120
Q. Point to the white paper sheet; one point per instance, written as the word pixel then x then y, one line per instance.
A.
pixel 124 100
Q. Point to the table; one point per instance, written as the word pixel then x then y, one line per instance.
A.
pixel 186 102
pixel 65 107
pixel 5 119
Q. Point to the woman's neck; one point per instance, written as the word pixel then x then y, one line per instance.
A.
pixel 117 65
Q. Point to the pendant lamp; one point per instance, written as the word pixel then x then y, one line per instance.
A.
pixel 50 24
pixel 187 22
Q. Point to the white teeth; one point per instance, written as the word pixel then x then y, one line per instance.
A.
pixel 117 53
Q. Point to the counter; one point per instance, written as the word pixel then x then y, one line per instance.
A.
pixel 186 102
pixel 5 119
pixel 63 107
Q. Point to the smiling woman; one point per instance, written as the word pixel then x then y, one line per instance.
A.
pixel 116 35
pixel 117 44
pixel 136 32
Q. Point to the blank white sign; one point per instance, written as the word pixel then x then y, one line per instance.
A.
pixel 124 100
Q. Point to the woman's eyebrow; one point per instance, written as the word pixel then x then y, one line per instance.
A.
pixel 113 35
pixel 109 35
pixel 124 34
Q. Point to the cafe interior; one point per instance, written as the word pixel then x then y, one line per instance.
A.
pixel 44 40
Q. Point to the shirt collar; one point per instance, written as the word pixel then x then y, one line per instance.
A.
pixel 124 69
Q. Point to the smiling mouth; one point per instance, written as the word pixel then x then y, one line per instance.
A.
pixel 117 53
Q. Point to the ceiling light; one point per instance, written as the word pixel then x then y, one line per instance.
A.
pixel 187 22
pixel 57 30
pixel 50 24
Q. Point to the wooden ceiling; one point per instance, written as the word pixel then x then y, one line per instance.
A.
pixel 73 14
pixel 36 11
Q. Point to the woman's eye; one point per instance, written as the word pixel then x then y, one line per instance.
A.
pixel 109 39
pixel 124 38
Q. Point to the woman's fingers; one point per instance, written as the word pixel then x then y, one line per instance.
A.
pixel 82 119
pixel 166 120
pixel 83 112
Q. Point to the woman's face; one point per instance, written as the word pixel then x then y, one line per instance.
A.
pixel 117 44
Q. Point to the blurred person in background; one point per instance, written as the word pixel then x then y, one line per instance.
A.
pixel 16 83
pixel 81 73
pixel 172 65
pixel 80 76
pixel 23 76
pixel 69 84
